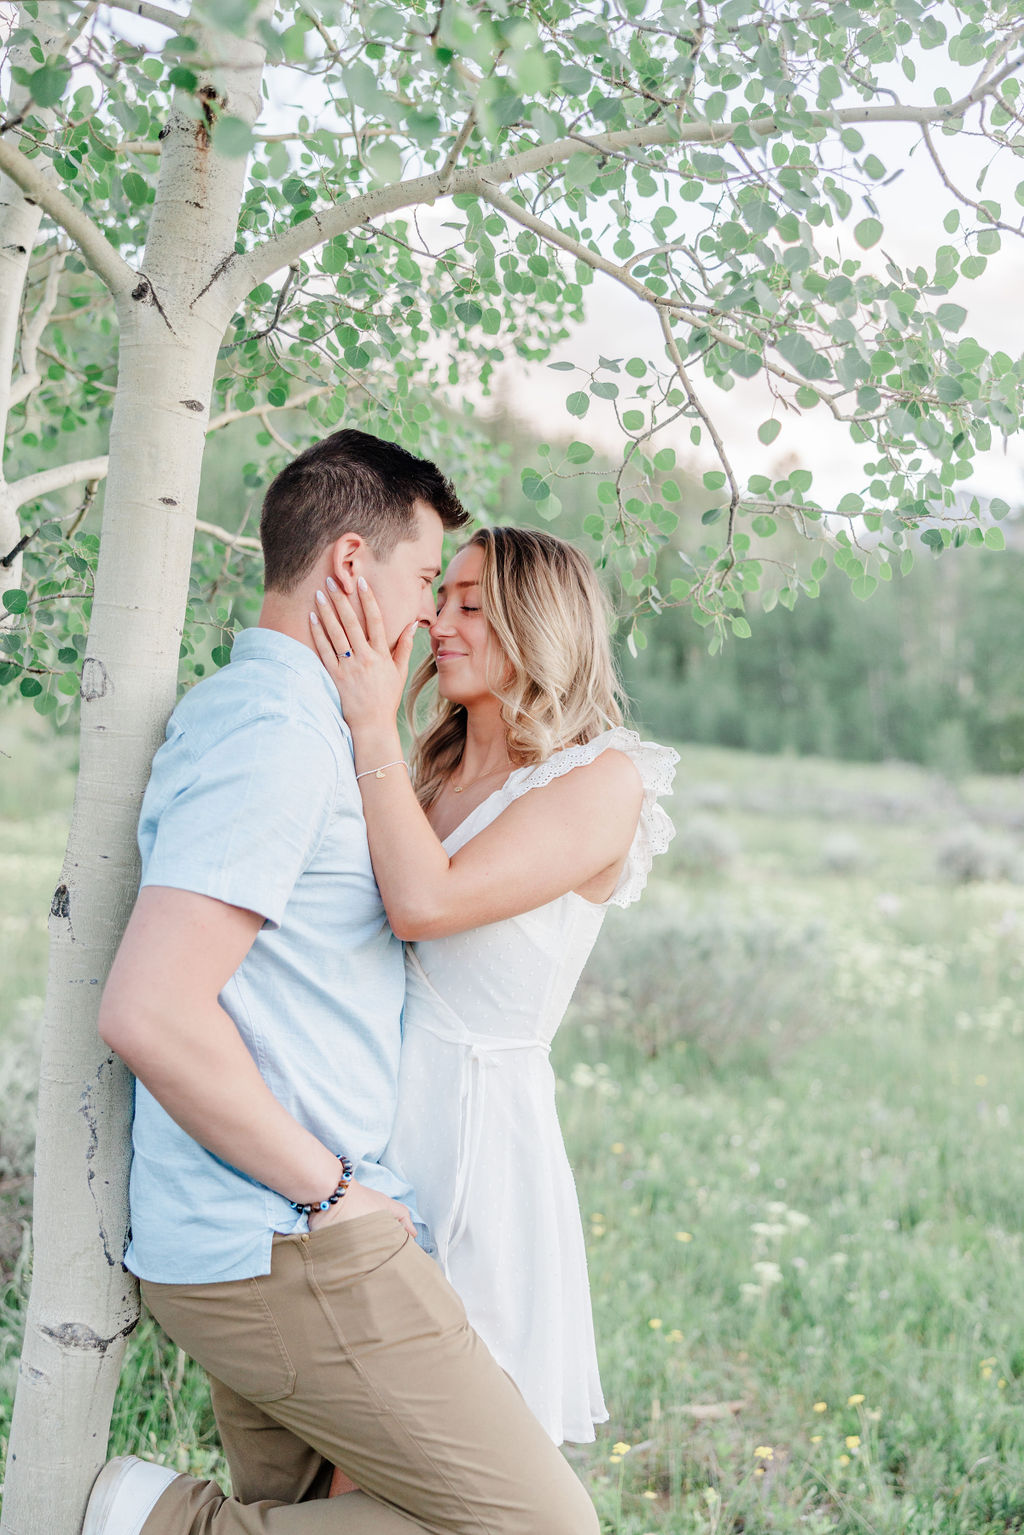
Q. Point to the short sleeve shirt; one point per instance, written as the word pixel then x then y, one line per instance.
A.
pixel 253 801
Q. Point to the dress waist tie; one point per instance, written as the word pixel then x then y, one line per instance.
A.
pixel 480 1054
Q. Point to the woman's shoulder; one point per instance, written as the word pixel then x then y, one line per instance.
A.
pixel 615 759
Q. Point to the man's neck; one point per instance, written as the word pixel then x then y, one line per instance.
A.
pixel 287 616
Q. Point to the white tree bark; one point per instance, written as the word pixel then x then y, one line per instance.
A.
pixel 20 218
pixel 83 1304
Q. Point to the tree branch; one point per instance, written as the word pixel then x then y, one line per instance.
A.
pixel 620 274
pixel 295 403
pixel 149 12
pixel 97 250
pixel 233 540
pixel 676 356
pixel 288 246
pixel 57 477
pixel 968 202
pixel 32 332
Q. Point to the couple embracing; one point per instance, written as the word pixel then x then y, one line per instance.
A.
pixel 350 1199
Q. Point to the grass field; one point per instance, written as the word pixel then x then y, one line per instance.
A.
pixel 792 1087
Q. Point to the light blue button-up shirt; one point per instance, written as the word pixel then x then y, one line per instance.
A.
pixel 253 801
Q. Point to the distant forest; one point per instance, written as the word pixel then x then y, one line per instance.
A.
pixel 929 669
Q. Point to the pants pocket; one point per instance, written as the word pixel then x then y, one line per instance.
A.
pixel 230 1330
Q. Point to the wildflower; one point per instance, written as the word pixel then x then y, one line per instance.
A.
pixel 759 1471
pixel 815 1438
pixel 820 1407
pixel 986 1372
pixel 855 1401
pixel 675 1336
pixel 764 1452
pixel 1001 1383
pixel 684 1236
pixel 767 1272
pixel 614 1459
pixel 981 1081
pixel 598 1217
pixel 617 1148
pixel 649 1492
pixel 844 1460
pixel 853 1441
pixel 655 1323
pixel 621 1449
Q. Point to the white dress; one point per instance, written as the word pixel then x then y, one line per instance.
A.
pixel 476 1131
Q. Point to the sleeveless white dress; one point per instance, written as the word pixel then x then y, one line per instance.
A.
pixel 476 1131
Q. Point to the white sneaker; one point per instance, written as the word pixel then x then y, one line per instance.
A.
pixel 123 1496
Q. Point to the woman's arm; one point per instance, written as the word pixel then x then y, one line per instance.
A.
pixel 548 842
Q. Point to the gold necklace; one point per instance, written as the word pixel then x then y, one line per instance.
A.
pixel 460 788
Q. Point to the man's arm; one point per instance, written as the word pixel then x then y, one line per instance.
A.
pixel 160 1013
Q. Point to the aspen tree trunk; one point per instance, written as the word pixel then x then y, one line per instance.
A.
pixel 83 1304
pixel 19 227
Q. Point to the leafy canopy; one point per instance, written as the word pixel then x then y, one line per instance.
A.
pixel 432 189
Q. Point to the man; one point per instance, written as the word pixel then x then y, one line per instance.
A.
pixel 257 997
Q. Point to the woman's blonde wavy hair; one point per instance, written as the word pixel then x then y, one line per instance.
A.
pixel 548 613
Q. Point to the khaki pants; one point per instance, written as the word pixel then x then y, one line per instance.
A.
pixel 355 1351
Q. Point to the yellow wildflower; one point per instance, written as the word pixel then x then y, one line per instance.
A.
pixel 764 1452
pixel 853 1441
pixel 684 1236
pixel 855 1401
pixel 655 1323
pixel 621 1448
pixel 649 1493
pixel 617 1148
pixel 675 1336
pixel 986 1372
pixel 815 1438
pixel 844 1460
pixel 820 1407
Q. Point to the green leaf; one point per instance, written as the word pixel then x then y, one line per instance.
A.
pixel 994 538
pixel 232 137
pixel 578 403
pixel 712 514
pixel 768 431
pixel 220 655
pixel 740 627
pixel 534 488
pixel 933 538
pixel 30 687
pixel 951 316
pixel 868 233
pixel 136 188
pixel 469 312
pixel 605 390
pixel 633 420
pixel 579 452
pixel 47 85
pixel 15 601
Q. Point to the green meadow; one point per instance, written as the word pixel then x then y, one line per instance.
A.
pixel 792 1086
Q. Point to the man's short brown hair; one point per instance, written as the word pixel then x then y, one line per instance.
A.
pixel 350 482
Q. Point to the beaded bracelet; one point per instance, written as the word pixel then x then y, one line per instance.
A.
pixel 339 1193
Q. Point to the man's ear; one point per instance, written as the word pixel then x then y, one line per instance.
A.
pixel 346 556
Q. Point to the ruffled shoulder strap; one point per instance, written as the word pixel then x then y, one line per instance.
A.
pixel 656 766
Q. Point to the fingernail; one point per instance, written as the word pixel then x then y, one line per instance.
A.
pixel 332 585
pixel 320 597
pixel 361 583
pixel 314 620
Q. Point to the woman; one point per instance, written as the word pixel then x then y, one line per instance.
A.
pixel 533 810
